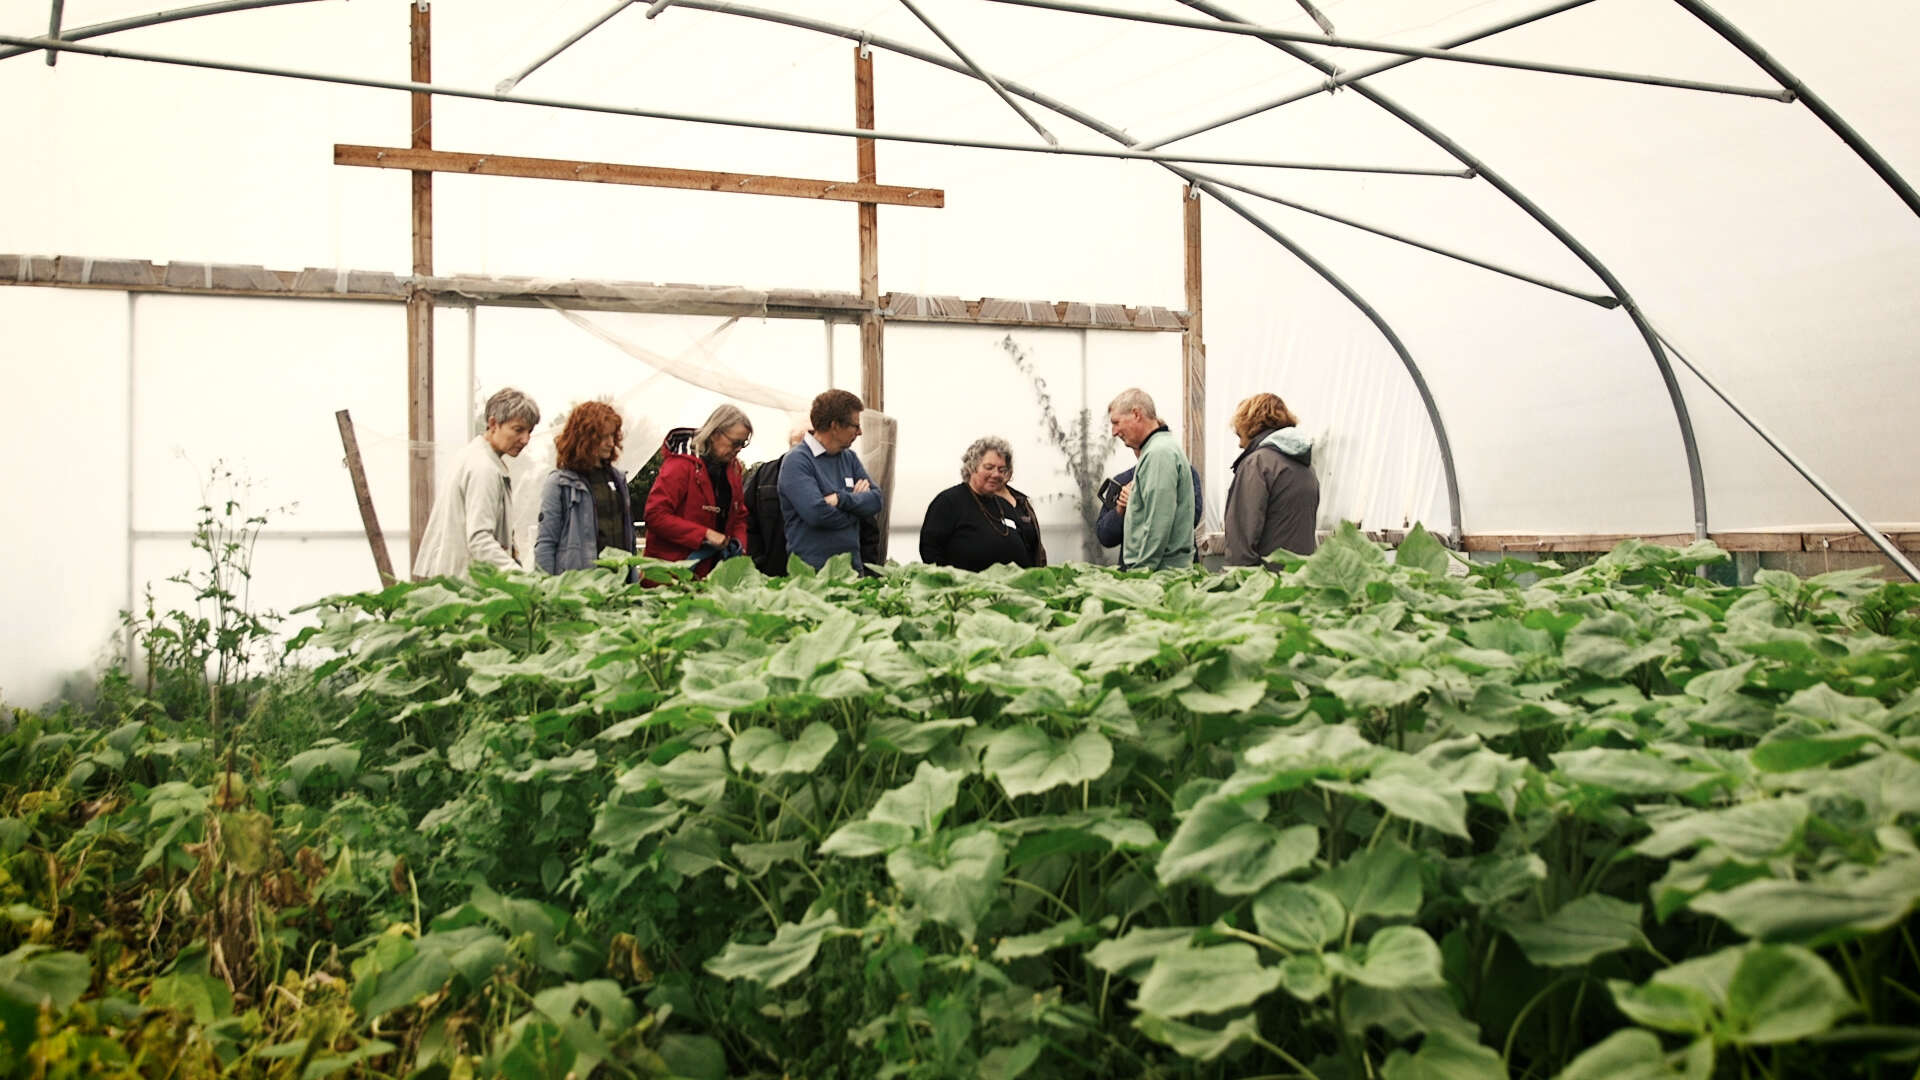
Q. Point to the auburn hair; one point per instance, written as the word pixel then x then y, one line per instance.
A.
pixel 586 425
pixel 1261 412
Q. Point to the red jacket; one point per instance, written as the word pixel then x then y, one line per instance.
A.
pixel 682 505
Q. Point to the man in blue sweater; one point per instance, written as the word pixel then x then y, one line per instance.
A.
pixel 824 490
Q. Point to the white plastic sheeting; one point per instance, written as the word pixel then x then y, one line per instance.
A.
pixel 1746 231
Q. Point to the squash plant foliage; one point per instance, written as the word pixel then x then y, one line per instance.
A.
pixel 1368 817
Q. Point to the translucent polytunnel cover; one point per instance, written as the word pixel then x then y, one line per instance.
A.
pixel 1580 220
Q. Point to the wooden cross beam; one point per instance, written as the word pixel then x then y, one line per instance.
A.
pixel 595 172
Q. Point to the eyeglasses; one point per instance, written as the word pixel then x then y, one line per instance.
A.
pixel 737 444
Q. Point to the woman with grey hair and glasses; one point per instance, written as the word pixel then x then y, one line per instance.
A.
pixel 982 521
pixel 697 510
pixel 469 520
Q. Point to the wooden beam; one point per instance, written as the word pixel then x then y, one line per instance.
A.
pixel 363 495
pixel 419 301
pixel 1193 349
pixel 873 382
pixel 1760 541
pixel 597 172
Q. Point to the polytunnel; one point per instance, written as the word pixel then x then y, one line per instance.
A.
pixel 357 722
pixel 1538 276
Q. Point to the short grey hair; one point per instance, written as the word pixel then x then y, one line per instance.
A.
pixel 1133 398
pixel 978 450
pixel 726 416
pixel 508 405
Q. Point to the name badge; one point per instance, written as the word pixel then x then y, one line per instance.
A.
pixel 847 480
pixel 1008 522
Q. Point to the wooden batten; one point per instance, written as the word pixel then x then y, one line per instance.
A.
pixel 600 172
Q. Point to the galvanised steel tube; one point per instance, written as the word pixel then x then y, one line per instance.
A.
pixel 155 19
pixel 1887 547
pixel 1738 38
pixel 1591 298
pixel 1447 466
pixel 978 72
pixel 512 81
pixel 34 44
pixel 1344 78
pixel 1690 447
pixel 1273 35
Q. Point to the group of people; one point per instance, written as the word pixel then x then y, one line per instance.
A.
pixel 817 500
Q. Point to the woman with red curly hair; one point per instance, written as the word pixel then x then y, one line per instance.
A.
pixel 585 506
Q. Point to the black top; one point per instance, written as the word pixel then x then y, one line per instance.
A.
pixel 973 532
pixel 722 491
pixel 609 530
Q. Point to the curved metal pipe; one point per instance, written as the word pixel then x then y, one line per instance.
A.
pixel 801 22
pixel 1695 474
pixel 1738 38
pixel 136 22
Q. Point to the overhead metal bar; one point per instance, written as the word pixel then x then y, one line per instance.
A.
pixel 1275 34
pixel 978 72
pixel 512 81
pixel 1448 468
pixel 53 28
pixel 1879 539
pixel 30 44
pixel 1591 298
pixel 1696 477
pixel 1318 19
pixel 1346 77
pixel 1738 38
pixel 136 22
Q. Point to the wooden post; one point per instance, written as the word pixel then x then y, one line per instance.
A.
pixel 419 301
pixel 872 340
pixel 364 496
pixel 1193 349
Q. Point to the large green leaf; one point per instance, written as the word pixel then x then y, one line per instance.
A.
pixel 1410 790
pixel 698 777
pixel 1225 842
pixel 1819 912
pixel 1211 980
pixel 1783 994
pixel 37 975
pixel 621 827
pixel 762 750
pixel 1192 1041
pixel 920 803
pixel 1628 772
pixel 789 953
pixel 1059 935
pixel 1298 917
pixel 1395 958
pixel 858 839
pixel 910 737
pixel 953 883
pixel 1384 881
pixel 1346 562
pixel 1755 830
pixel 1588 926
pixel 1027 761
pixel 1444 1056
pixel 1636 1054
pixel 807 653
pixel 1420 551
pixel 1130 953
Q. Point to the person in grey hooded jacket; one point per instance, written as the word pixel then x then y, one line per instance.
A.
pixel 1275 497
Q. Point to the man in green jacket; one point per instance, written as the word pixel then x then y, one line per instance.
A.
pixel 1157 507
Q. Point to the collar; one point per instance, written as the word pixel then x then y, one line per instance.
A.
pixel 499 460
pixel 815 445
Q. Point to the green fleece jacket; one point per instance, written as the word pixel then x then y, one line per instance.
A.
pixel 1158 531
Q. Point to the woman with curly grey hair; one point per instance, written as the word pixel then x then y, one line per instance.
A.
pixel 982 521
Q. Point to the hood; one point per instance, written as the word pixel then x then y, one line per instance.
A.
pixel 1291 442
pixel 678 441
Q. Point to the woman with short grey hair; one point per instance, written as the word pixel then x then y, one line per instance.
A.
pixel 469 520
pixel 982 521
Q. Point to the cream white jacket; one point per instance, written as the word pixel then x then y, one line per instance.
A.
pixel 469 520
